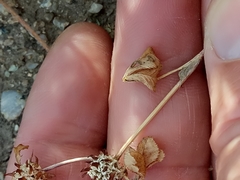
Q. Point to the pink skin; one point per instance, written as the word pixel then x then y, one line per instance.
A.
pixel 67 114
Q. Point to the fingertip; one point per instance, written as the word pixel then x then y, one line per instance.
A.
pixel 76 67
pixel 89 33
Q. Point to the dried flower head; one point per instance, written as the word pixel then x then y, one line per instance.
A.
pixel 30 170
pixel 144 70
pixel 146 154
pixel 105 167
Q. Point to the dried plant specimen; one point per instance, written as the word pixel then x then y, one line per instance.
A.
pixel 150 151
pixel 146 155
pixel 30 170
pixel 105 167
pixel 134 161
pixel 184 72
pixel 17 150
pixel 144 70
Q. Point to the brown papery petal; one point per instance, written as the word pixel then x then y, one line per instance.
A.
pixel 150 151
pixel 144 70
pixel 134 161
pixel 17 151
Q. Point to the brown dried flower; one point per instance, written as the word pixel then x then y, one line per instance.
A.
pixel 146 155
pixel 144 70
pixel 30 170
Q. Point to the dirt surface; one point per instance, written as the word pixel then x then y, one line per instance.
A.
pixel 21 56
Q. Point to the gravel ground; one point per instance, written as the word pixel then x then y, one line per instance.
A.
pixel 21 56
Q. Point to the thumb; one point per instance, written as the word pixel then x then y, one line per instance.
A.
pixel 222 55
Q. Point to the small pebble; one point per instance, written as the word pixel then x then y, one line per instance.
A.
pixel 16 127
pixel 7 74
pixel 34 76
pixel 23 30
pixel 54 6
pixel 11 104
pixel 12 20
pixel 35 24
pixel 41 24
pixel 12 3
pixel 8 42
pixel 48 17
pixel 43 37
pixel 46 4
pixel 4 31
pixel 3 10
pixel 40 58
pixel 69 1
pixel 60 23
pixel 31 65
pixel 25 82
pixel 1 176
pixel 95 8
pixel 13 68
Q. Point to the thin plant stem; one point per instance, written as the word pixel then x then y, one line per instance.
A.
pixel 86 159
pixel 169 73
pixel 25 25
pixel 185 71
pixel 177 69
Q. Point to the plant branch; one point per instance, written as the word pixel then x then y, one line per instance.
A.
pixel 25 25
pixel 86 159
pixel 185 71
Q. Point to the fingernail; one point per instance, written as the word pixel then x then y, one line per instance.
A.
pixel 224 29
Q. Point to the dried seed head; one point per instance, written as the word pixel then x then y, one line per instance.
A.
pixel 146 155
pixel 144 70
pixel 30 170
pixel 105 167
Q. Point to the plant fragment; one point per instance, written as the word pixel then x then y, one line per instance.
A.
pixel 184 72
pixel 146 155
pixel 105 167
pixel 144 70
pixel 30 170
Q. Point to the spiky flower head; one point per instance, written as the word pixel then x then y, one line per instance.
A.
pixel 105 167
pixel 30 170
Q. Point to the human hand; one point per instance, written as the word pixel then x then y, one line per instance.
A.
pixel 67 113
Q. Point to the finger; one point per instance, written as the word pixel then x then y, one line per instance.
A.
pixel 205 8
pixel 181 129
pixel 222 52
pixel 66 111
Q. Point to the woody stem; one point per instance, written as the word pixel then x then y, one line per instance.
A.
pixel 169 73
